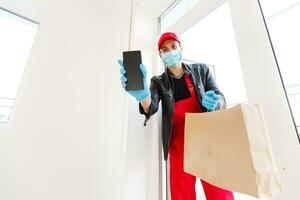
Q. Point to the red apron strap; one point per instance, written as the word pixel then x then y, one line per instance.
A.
pixel 189 84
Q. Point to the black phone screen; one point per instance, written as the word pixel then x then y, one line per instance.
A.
pixel 132 61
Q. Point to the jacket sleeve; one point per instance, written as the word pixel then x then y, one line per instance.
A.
pixel 155 98
pixel 210 84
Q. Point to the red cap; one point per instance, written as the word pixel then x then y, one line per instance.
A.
pixel 167 35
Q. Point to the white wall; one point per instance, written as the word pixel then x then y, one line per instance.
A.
pixel 64 141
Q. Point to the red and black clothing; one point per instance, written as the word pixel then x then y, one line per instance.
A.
pixel 182 184
pixel 184 97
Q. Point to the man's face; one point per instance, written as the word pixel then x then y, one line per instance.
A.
pixel 169 45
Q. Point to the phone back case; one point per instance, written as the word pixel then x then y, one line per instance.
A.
pixel 132 61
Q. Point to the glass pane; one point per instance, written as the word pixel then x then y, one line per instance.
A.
pixel 4 114
pixel 216 47
pixel 16 38
pixel 273 8
pixel 175 12
pixel 6 105
pixel 282 17
pixel 294 100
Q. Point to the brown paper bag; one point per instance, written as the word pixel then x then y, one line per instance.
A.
pixel 231 149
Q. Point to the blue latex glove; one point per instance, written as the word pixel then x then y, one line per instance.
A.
pixel 210 100
pixel 139 95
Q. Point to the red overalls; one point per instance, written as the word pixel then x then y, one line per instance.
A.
pixel 182 184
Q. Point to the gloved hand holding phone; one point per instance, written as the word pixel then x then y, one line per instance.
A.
pixel 139 95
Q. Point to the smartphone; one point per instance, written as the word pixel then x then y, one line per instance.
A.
pixel 132 61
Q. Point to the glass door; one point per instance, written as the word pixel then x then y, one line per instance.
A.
pixel 231 37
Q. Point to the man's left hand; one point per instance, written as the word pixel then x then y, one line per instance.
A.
pixel 210 100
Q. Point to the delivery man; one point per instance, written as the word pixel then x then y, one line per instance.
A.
pixel 181 88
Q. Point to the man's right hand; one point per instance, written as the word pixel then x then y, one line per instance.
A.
pixel 139 95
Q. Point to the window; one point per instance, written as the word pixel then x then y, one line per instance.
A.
pixel 176 10
pixel 281 19
pixel 218 50
pixel 16 38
